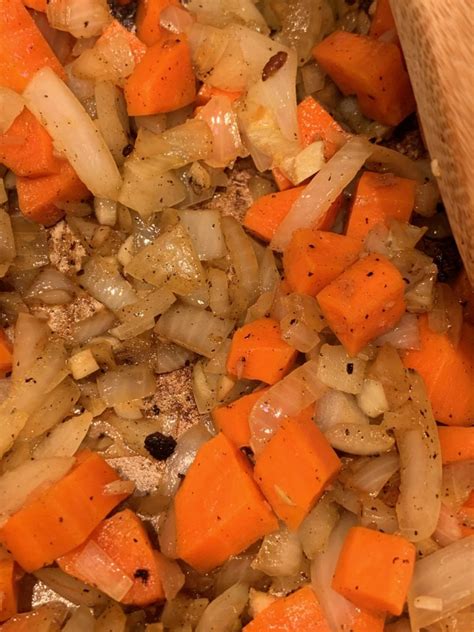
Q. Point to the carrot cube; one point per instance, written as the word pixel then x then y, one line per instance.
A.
pixel 6 354
pixel 124 539
pixel 374 570
pixel 298 612
pixel 457 444
pixel 315 123
pixel 372 70
pixel 63 516
pixel 268 212
pixel 258 352
pixel 8 589
pixel 383 20
pixel 148 19
pixel 219 509
pixel 314 258
pixel 116 32
pixel 295 467
pixel 233 419
pixel 380 197
pixel 364 302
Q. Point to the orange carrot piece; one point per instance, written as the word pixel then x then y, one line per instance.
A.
pixel 295 467
pixel 124 539
pixel 115 29
pixel 372 70
pixel 206 92
pixel 164 79
pixel 281 180
pixel 314 258
pixel 23 49
pixel 63 516
pixel 370 559
pixel 37 5
pixel 378 198
pixel 27 149
pixel 447 371
pixel 38 197
pixel 148 19
pixel 364 302
pixel 315 123
pixel 368 621
pixel 383 20
pixel 466 516
pixel 6 354
pixel 464 292
pixel 298 612
pixel 8 589
pixel 457 444
pixel 267 213
pixel 258 352
pixel 233 419
pixel 219 509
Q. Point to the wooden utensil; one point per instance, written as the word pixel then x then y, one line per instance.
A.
pixel 437 38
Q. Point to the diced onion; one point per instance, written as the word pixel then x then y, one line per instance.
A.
pixel 219 301
pixel 204 228
pixel 361 439
pixel 126 383
pixel 170 357
pixel 110 59
pixel 140 316
pixel 65 439
pixel 222 121
pixel 372 399
pixel 172 577
pixel 81 18
pixel 70 588
pixel 405 334
pixel 112 119
pixel 220 12
pixel 445 575
pixel 11 105
pixel 224 611
pixel 375 474
pixel 286 398
pixel 51 287
pixel 313 78
pixel 376 514
pixel 448 529
pixel 458 481
pixel 335 406
pixel 31 335
pixel 31 242
pixel 73 132
pixel 105 283
pixel 301 321
pixel 323 190
pixel 95 325
pixel 339 370
pixel 176 19
pixel 280 554
pixel 316 528
pixel 81 620
pixel 243 258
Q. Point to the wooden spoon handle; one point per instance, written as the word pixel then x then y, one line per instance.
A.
pixel 437 40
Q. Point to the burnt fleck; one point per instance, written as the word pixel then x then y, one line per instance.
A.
pixel 445 255
pixel 143 574
pixel 275 62
pixel 125 14
pixel 160 446
pixel 127 150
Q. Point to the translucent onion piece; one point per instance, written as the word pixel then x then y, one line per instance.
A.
pixel 17 485
pixel 391 161
pixel 31 242
pixel 375 474
pixel 110 59
pixel 323 190
pixel 204 228
pixel 172 577
pixel 113 618
pixel 82 620
pixel 219 12
pixel 372 399
pixel 224 612
pixel 286 398
pixel 280 554
pixel 419 502
pixel 167 533
pixel 95 325
pixel 302 27
pixel 81 18
pixel 11 105
pixel 49 285
pixel 361 439
pixel 105 283
pixel 445 575
pixel 73 132
pixel 176 19
pixel 193 328
pixel 405 334
pixel 7 243
pixel 208 45
pixel 301 321
pixel 126 383
pixel 316 528
pixel 112 118
pixel 458 481
pixel 65 439
pixel 170 357
pixel 376 514
pixel 219 301
pixel 268 275
pixel 100 570
pixel 171 258
pixel 140 316
pixel 339 370
pixel 336 405
pixel 222 121
pixel 243 257
pixel 70 588
pixel 448 529
pixel 31 335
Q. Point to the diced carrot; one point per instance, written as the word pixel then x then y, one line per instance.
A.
pixel 38 197
pixel 124 539
pixel 37 5
pixel 63 516
pixel 295 467
pixel 233 419
pixel 383 21
pixel 466 516
pixel 6 354
pixel 219 509
pixel 164 79
pixel 368 621
pixel 315 123
pixel 374 570
pixel 281 180
pixel 447 371
pixel 379 198
pixel 464 292
pixel 258 352
pixel 267 213
pixel 372 70
pixel 457 444
pixel 23 49
pixel 27 149
pixel 364 302
pixel 148 19
pixel 314 258
pixel 115 30
pixel 298 612
pixel 206 92
pixel 8 589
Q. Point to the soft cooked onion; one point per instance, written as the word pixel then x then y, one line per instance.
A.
pixel 51 287
pixel 112 118
pixel 372 399
pixel 223 613
pixel 222 121
pixel 303 23
pixel 167 534
pixel 447 313
pixel 31 242
pixel 388 160
pixel 316 528
pixel 313 78
pixel 376 514
pixel 110 59
pixel 458 481
pixel 375 474
pixel 17 485
pixel 81 18
pixel 31 335
pixel 448 529
pixel 323 190
pixel 335 406
pixel 125 384
pixel 176 19
pixel 405 335
pixel 170 357
pixel 113 618
pixel 71 588
pixel 81 620
pixel 204 228
pixel 219 301
pixel 300 321
pixel 339 370
pixel 65 439
pixel 280 554
pixel 172 576
pixel 445 575
pixel 140 316
pixel 286 398
pixel 95 325
pixel 11 105
pixel 243 258
pixel 361 439
pixel 73 132
pixel 220 12
pixel 104 282
pixel 193 328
